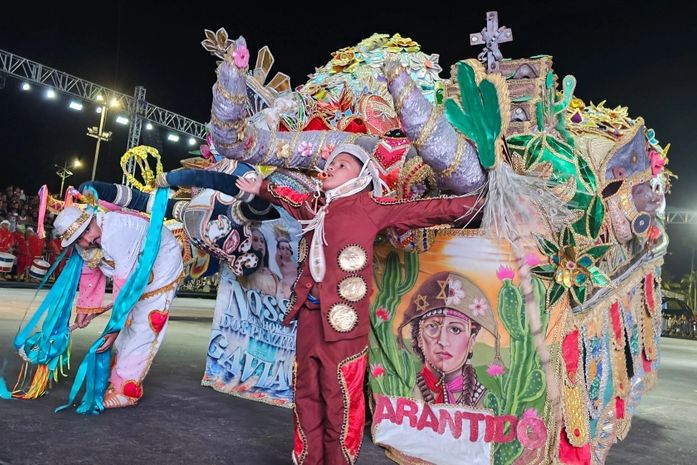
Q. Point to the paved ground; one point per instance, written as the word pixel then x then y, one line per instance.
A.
pixel 663 429
pixel 180 422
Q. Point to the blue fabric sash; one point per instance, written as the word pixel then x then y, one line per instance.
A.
pixel 4 392
pixel 51 345
pixel 46 346
pixel 93 372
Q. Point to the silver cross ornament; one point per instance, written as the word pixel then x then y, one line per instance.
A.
pixel 490 37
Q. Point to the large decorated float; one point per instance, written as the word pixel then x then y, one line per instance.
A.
pixel 559 287
pixel 528 340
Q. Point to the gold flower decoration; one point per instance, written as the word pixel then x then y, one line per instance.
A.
pixel 372 42
pixel 283 150
pixel 397 43
pixel 343 60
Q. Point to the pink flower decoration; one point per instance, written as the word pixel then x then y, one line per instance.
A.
pixel 455 292
pixel 383 314
pixel 376 370
pixel 657 162
pixel 241 56
pixel 504 272
pixel 495 369
pixel 305 148
pixel 479 306
pixel 531 413
pixel 327 150
pixel 531 259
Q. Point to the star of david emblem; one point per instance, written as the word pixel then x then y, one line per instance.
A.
pixel 443 294
pixel 421 303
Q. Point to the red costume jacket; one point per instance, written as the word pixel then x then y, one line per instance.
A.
pixel 36 247
pixel 22 252
pixel 350 228
pixel 7 240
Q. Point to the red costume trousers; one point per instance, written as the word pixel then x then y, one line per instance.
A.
pixel 329 402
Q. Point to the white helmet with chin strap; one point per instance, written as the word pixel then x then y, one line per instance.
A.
pixel 368 168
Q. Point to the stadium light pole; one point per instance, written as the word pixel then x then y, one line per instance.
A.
pixel 64 173
pixel 99 133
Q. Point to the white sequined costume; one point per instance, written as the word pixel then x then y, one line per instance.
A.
pixel 122 238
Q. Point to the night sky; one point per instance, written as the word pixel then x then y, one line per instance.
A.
pixel 628 54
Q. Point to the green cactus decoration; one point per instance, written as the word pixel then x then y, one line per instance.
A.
pixel 399 370
pixel 479 117
pixel 523 385
pixel 550 109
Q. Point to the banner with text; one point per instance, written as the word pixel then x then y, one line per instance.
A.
pixel 251 353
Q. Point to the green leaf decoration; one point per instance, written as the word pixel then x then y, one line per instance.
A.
pixel 585 261
pixel 597 251
pixel 544 271
pixel 579 294
pixel 546 247
pixel 598 277
pixel 568 238
pixel 535 151
pixel 586 174
pixel 580 279
pixel 596 212
pixel 554 293
pixel 479 117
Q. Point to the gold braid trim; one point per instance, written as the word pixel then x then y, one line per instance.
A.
pixel 76 225
pixel 459 152
pixel 396 71
pixel 428 128
pixel 403 94
pixel 227 95
pixel 163 289
pixel 318 154
pixel 90 310
pixel 413 171
pixel 234 124
pixel 223 145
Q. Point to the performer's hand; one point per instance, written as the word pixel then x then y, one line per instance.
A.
pixel 108 341
pixel 252 186
pixel 83 319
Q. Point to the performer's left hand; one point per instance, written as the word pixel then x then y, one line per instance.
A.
pixel 108 341
pixel 252 186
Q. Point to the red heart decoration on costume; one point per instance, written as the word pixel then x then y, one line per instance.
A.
pixel 157 319
pixel 131 389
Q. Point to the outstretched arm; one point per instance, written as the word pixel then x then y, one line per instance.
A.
pixel 295 203
pixel 253 207
pixel 422 213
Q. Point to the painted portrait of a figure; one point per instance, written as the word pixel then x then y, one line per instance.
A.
pixel 445 316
